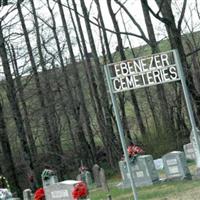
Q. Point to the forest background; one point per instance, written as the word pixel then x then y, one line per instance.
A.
pixel 55 109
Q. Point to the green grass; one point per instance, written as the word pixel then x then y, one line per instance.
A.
pixel 167 190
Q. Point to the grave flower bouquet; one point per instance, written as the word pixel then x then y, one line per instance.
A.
pixel 80 191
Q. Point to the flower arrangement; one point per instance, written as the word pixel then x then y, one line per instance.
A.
pixel 80 191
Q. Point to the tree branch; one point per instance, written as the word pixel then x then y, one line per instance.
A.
pixel 134 21
pixel 193 52
pixel 156 15
pixel 106 29
pixel 182 14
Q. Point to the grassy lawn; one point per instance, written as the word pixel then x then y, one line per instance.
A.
pixel 180 190
pixel 171 190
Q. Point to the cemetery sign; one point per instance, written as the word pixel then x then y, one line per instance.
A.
pixel 142 72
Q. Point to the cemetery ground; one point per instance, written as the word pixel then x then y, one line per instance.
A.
pixel 170 190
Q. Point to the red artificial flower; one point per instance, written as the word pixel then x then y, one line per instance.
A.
pixel 134 150
pixel 39 194
pixel 80 191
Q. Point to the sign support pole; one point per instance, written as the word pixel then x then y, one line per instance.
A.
pixel 195 130
pixel 121 132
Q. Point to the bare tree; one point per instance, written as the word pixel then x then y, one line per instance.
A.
pixel 8 163
pixel 52 146
pixel 11 94
pixel 120 48
pixel 107 128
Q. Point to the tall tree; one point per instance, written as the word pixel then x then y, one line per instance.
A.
pixel 48 95
pixel 85 151
pixel 167 123
pixel 123 57
pixel 26 119
pixel 174 33
pixel 110 59
pixel 52 146
pixel 110 139
pixel 8 163
pixel 11 94
pixel 81 100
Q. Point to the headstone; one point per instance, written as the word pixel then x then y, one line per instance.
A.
pixel 175 165
pixel 158 164
pixel 14 198
pixel 103 179
pixel 189 151
pixel 95 171
pixel 78 178
pixel 143 172
pixel 86 177
pixel 49 177
pixel 61 190
pixel 27 194
pixel 195 146
pixel 5 193
pixel 124 174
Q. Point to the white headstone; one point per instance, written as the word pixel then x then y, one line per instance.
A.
pixel 143 171
pixel 27 194
pixel 175 165
pixel 189 151
pixel 61 190
pixel 158 164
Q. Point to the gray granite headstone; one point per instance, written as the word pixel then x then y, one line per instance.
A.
pixel 15 198
pixel 195 146
pixel 85 177
pixel 175 165
pixel 124 174
pixel 95 171
pixel 189 151
pixel 61 190
pixel 48 177
pixel 143 171
pixel 88 178
pixel 158 163
pixel 78 178
pixel 27 194
pixel 103 179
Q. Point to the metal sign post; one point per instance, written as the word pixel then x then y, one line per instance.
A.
pixel 195 130
pixel 121 131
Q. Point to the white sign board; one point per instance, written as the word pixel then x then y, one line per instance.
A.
pixel 143 72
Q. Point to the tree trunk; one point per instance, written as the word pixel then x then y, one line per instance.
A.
pixel 50 101
pixel 52 146
pixel 174 33
pixel 8 163
pixel 166 118
pixel 107 129
pixel 132 93
pixel 11 94
pixel 27 124
pixel 81 100
pixel 74 109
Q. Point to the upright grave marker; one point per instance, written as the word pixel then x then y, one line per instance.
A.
pixel 142 72
pixel 175 165
pixel 189 151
